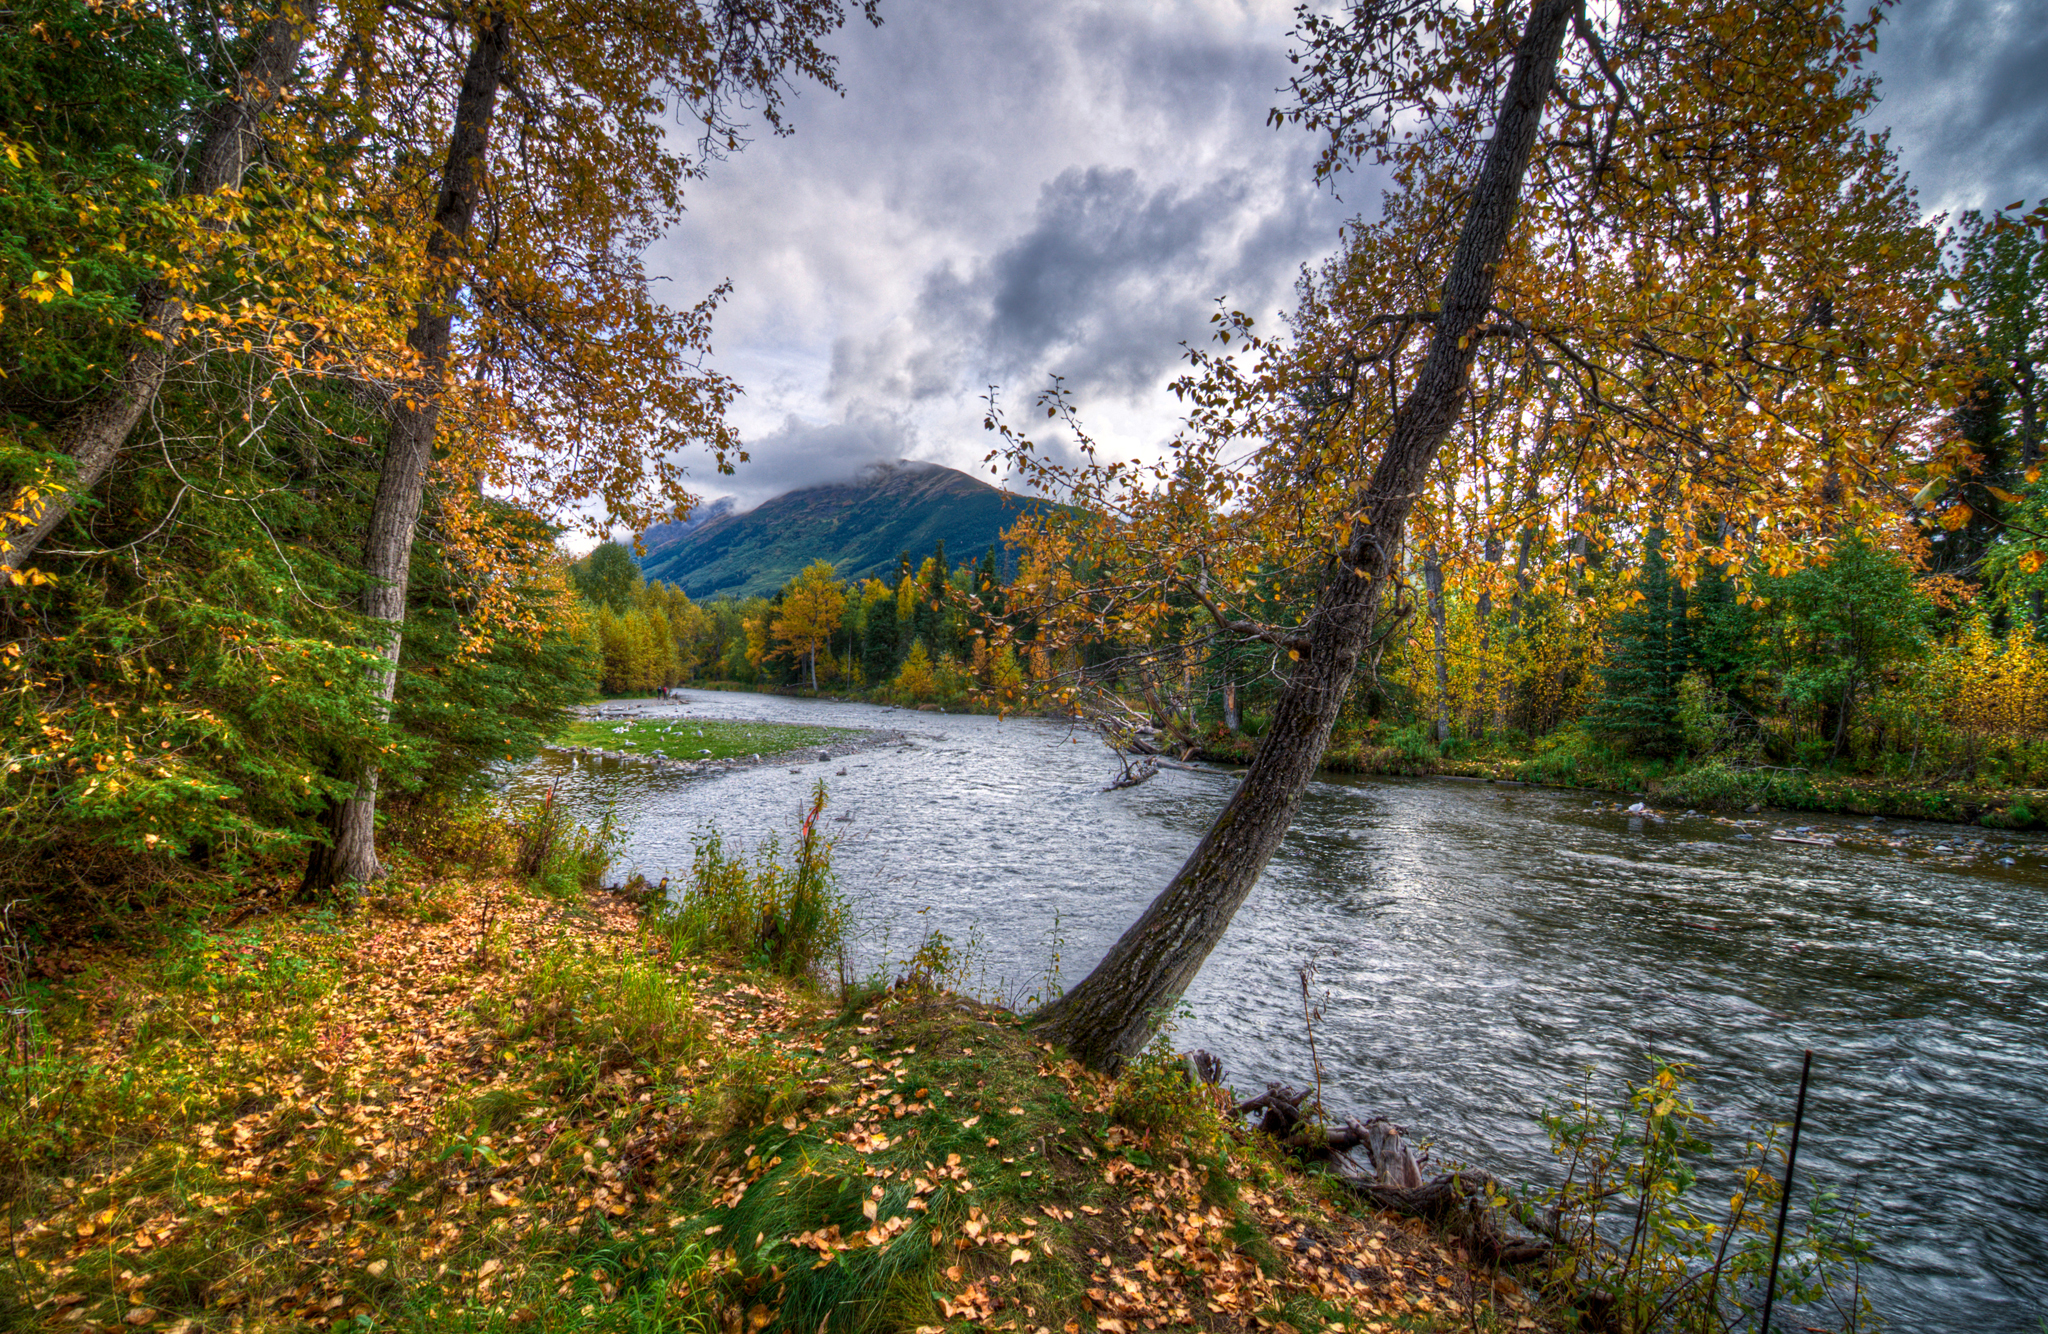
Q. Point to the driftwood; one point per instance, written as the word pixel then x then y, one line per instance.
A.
pixel 1391 1176
pixel 1134 774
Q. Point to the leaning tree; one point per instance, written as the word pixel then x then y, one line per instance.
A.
pixel 1660 229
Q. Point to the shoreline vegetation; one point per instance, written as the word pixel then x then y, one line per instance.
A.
pixel 1567 761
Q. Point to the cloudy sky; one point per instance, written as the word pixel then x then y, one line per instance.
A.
pixel 1012 190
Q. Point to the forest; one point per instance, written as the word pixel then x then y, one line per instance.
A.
pixel 303 384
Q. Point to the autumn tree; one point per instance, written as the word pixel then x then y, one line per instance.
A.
pixel 813 604
pixel 1662 226
pixel 576 384
pixel 225 128
pixel 916 680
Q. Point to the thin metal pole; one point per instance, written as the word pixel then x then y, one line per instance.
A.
pixel 1785 1194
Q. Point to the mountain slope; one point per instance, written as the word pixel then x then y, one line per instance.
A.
pixel 859 526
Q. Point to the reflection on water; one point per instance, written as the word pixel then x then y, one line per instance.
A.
pixel 1482 946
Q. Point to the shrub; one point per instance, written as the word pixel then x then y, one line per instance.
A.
pixel 1413 744
pixel 1640 1256
pixel 784 917
pixel 559 857
pixel 1719 783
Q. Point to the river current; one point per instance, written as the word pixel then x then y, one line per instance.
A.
pixel 1480 947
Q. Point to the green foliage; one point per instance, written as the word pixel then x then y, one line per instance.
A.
pixel 204 685
pixel 1833 629
pixel 211 681
pixel 1646 1253
pixel 879 642
pixel 786 917
pixel 89 106
pixel 1649 648
pixel 607 577
pixel 1414 745
pixel 1725 784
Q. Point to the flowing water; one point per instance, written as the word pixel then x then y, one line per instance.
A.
pixel 1481 947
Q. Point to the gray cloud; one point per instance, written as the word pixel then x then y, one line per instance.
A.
pixel 801 453
pixel 1102 288
pixel 1008 190
pixel 1964 85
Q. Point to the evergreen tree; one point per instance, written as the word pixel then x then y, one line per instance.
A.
pixel 934 627
pixel 1649 650
pixel 878 648
pixel 988 585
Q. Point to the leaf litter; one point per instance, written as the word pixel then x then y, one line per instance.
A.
pixel 528 1115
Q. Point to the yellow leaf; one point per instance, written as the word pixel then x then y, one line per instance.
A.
pixel 2030 561
pixel 1019 1255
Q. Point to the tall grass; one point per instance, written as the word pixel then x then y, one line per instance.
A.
pixel 782 914
pixel 559 857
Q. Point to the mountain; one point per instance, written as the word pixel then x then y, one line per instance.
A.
pixel 859 526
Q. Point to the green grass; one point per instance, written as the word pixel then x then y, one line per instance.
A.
pixel 702 738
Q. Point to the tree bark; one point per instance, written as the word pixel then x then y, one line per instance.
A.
pixel 96 435
pixel 414 415
pixel 1113 1012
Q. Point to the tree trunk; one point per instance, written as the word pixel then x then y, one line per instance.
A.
pixel 414 415
pixel 1433 584
pixel 95 437
pixel 1230 719
pixel 1113 1012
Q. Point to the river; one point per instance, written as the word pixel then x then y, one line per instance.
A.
pixel 1481 946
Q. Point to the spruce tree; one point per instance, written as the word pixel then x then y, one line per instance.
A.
pixel 878 645
pixel 1649 650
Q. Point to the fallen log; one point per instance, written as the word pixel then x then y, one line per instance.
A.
pixel 1134 774
pixel 1393 1178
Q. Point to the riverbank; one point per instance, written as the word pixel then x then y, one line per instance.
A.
pixel 472 1106
pixel 1712 784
